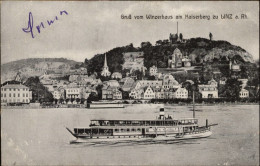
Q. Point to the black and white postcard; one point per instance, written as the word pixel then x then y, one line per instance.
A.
pixel 129 83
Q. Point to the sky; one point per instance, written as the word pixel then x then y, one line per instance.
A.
pixel 93 27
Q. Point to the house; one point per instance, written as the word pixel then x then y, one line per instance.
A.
pixel 209 90
pixel 175 60
pixel 149 93
pixel 186 62
pixel 117 94
pixel 15 93
pixel 112 83
pixel 234 66
pixel 153 71
pixel 181 93
pixel 133 61
pixel 158 92
pixel 74 92
pixel 116 75
pixel 145 83
pixel 170 82
pixel 222 81
pixel 59 93
pixel 136 93
pixel 109 92
pixel 244 93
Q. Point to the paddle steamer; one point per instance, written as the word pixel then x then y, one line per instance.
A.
pixel 162 128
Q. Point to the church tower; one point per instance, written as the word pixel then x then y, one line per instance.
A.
pixel 105 71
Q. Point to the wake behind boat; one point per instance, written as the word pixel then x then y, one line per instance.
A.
pixel 161 129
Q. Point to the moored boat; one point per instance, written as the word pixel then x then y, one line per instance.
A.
pixel 101 105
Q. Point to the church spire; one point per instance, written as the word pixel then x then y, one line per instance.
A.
pixel 105 62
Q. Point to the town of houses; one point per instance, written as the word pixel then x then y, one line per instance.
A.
pixel 80 85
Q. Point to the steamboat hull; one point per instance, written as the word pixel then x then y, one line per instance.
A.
pixel 186 136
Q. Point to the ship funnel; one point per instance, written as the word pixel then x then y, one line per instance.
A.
pixel 161 113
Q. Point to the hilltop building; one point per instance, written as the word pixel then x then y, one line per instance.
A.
pixel 244 93
pixel 105 71
pixel 134 61
pixel 177 60
pixel 234 66
pixel 153 71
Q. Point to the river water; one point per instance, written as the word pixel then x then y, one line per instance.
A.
pixel 39 137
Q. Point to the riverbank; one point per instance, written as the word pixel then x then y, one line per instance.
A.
pixel 83 106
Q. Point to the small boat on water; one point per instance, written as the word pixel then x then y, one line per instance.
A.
pixel 161 129
pixel 104 104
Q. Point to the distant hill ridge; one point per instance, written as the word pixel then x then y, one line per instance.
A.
pixel 10 69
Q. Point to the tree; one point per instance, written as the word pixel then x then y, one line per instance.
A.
pixel 82 100
pixel 92 97
pixel 210 36
pixel 233 87
pixel 86 61
pixel 146 44
pixel 56 101
pixel 11 82
pixel 61 100
pixel 99 91
pixel 39 91
pixel 181 36
pixel 77 100
pixel 67 100
pixel 151 77
pixel 159 42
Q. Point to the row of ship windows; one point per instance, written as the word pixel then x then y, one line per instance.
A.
pixel 128 130
pixel 14 89
pixel 14 95
pixel 137 129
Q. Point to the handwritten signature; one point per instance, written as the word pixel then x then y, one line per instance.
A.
pixel 29 29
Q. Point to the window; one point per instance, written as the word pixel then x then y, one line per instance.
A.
pixel 14 89
pixel 5 95
pixel 14 95
pixel 18 94
pixel 23 95
pixel 1 94
pixel 26 94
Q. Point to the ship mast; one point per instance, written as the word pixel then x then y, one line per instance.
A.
pixel 193 99
pixel 193 104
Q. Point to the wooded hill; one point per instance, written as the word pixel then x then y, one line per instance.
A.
pixel 198 49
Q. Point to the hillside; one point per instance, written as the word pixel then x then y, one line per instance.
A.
pixel 198 49
pixel 35 67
